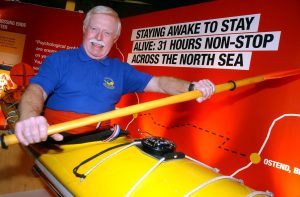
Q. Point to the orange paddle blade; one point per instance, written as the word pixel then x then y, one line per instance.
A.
pixel 281 74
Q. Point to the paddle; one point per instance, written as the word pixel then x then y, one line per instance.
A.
pixel 231 85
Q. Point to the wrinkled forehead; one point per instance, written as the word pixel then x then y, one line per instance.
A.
pixel 107 20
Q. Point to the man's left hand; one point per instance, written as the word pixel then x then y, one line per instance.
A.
pixel 206 87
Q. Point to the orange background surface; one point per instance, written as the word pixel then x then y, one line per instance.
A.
pixel 224 131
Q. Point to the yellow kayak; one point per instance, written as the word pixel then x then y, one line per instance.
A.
pixel 127 167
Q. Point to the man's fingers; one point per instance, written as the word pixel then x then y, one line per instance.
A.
pixel 206 87
pixel 57 137
pixel 32 130
pixel 19 134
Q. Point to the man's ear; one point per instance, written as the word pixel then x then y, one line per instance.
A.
pixel 116 38
pixel 83 29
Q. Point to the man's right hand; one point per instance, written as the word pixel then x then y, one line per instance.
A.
pixel 33 130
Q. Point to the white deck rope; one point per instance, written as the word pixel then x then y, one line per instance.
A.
pixel 202 164
pixel 143 177
pixel 107 157
pixel 209 182
pixel 267 193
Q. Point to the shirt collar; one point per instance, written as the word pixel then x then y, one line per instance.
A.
pixel 84 57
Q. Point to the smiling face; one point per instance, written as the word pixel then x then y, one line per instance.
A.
pixel 99 35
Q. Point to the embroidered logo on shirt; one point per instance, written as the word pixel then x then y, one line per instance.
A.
pixel 109 83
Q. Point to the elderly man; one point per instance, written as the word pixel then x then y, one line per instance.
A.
pixel 80 82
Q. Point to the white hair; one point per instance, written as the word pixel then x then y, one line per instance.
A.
pixel 103 10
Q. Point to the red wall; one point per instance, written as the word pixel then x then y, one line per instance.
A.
pixel 225 130
pixel 55 26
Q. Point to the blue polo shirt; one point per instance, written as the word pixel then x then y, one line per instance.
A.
pixel 76 83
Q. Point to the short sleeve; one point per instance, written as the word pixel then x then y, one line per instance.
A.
pixel 134 80
pixel 47 76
